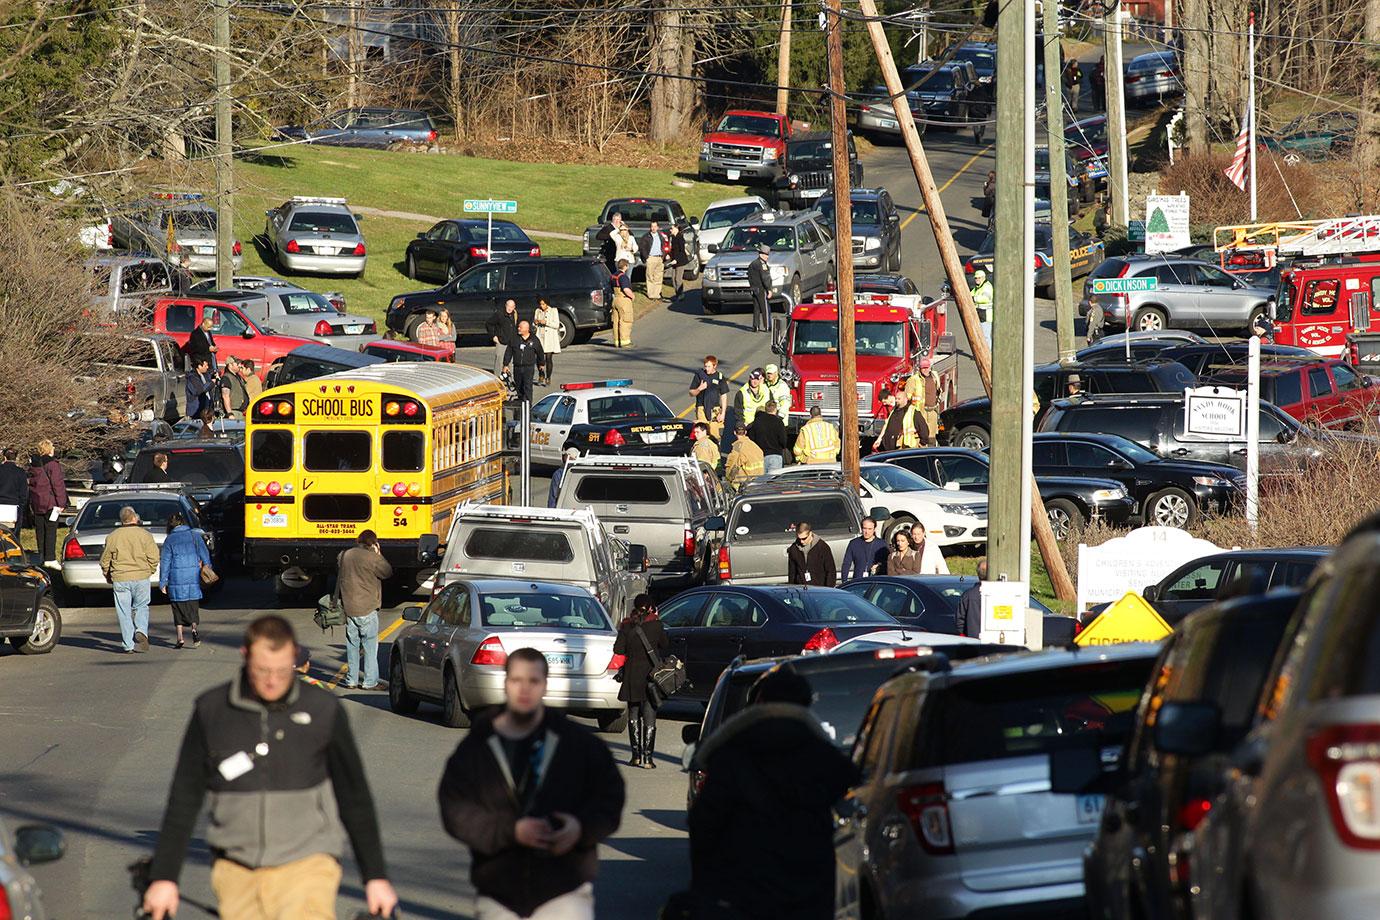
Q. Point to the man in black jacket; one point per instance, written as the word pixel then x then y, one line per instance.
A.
pixel 968 618
pixel 502 328
pixel 759 281
pixel 202 344
pixel 273 753
pixel 531 794
pixel 14 492
pixel 809 560
pixel 679 261
pixel 761 833
pixel 608 247
pixel 523 357
pixel 769 433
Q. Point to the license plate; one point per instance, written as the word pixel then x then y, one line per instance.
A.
pixel 732 174
pixel 659 437
pixel 560 661
pixel 356 329
pixel 326 250
pixel 274 520
pixel 1088 808
pixel 887 122
pixel 204 250
pixel 813 192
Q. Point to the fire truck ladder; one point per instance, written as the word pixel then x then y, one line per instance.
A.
pixel 1334 236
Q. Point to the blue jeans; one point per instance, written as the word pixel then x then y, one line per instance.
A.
pixel 132 609
pixel 772 462
pixel 987 334
pixel 362 641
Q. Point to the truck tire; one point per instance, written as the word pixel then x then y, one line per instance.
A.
pixel 46 632
pixel 411 267
pixel 410 326
pixel 566 329
pixel 1256 314
pixel 973 437
pixel 795 288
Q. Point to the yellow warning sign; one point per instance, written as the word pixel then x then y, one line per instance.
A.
pixel 1130 619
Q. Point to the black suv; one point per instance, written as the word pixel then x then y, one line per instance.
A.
pixel 29 617
pixel 969 423
pixel 1168 493
pixel 580 289
pixel 876 229
pixel 808 172
pixel 1156 421
pixel 307 362
pixel 212 472
pixel 945 92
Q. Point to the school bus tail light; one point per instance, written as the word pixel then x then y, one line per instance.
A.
pixel 276 410
pixel 401 408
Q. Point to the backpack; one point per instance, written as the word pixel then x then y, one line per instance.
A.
pixel 330 609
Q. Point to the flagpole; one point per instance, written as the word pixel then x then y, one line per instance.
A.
pixel 1250 103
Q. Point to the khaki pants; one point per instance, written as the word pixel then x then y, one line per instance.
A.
pixel 716 429
pixel 622 320
pixel 304 889
pixel 656 272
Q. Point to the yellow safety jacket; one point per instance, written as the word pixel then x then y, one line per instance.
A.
pixel 817 442
pixel 982 300
pixel 744 461
pixel 754 403
pixel 781 393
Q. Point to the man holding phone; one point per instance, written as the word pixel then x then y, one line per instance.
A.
pixel 531 794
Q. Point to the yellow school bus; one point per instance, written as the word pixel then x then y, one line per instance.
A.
pixel 391 448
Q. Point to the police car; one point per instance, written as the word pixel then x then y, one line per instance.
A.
pixel 608 417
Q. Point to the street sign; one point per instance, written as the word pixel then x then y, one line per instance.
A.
pixel 1130 619
pixel 1166 222
pixel 489 206
pixel 1135 231
pixel 1124 285
pixel 1215 412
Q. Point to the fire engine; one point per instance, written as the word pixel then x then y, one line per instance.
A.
pixel 1327 297
pixel 893 333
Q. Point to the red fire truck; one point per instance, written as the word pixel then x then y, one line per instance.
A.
pixel 893 332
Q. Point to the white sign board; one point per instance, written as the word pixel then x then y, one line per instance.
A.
pixel 1005 605
pixel 1215 412
pixel 1166 223
pixel 1129 563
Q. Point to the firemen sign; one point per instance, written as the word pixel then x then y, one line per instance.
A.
pixel 1166 223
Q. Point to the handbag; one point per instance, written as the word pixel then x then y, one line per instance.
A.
pixel 208 575
pixel 668 674
pixel 330 609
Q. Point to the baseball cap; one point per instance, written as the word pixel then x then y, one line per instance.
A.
pixel 757 372
pixel 772 369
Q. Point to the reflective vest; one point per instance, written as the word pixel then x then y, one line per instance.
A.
pixel 909 436
pixel 817 442
pixel 982 299
pixel 752 404
pixel 781 393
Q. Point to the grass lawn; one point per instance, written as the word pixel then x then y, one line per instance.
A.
pixel 1040 587
pixel 560 198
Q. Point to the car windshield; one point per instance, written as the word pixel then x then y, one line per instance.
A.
pixel 739 239
pixel 627 407
pixel 832 607
pixel 984 62
pixel 643 212
pixel 936 81
pixel 194 466
pixel 864 212
pixel 322 222
pixel 750 124
pixel 775 520
pixel 840 697
pixel 811 153
pixel 1094 133
pixel 728 215
pixel 503 233
pixel 193 219
pixel 524 610
pixel 305 302
pixel 153 512
pixel 821 337
pixel 885 477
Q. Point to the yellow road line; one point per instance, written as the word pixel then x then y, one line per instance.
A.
pixel 961 170
pixel 344 669
pixel 736 374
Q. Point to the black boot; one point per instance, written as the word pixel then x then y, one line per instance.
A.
pixel 649 744
pixel 635 740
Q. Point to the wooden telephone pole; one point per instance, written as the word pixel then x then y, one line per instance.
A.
pixel 225 201
pixel 1058 185
pixel 783 61
pixel 843 240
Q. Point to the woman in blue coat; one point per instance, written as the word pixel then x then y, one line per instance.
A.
pixel 179 574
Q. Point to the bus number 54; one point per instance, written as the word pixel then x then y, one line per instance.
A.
pixel 399 522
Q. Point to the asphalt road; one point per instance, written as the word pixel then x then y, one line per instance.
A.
pixel 90 735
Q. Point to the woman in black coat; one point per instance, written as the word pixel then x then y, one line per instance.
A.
pixel 637 667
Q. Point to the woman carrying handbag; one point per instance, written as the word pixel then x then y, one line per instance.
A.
pixel 183 566
pixel 643 642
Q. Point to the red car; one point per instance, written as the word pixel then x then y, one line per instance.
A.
pixel 1323 393
pixel 393 350
pixel 236 334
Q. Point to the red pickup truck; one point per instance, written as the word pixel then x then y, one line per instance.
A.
pixel 235 333
pixel 745 145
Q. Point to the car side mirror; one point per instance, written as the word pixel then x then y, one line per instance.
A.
pixel 690 733
pixel 694 221
pixel 428 549
pixel 1188 729
pixel 412 614
pixel 716 524
pixel 1150 592
pixel 951 486
pixel 878 513
pixel 1075 769
pixel 637 557
pixel 713 248
pixel 1285 437
pixel 422 235
pixel 247 334
pixel 38 843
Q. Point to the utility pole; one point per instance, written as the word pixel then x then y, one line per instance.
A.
pixel 1116 116
pixel 953 271
pixel 1193 18
pixel 1058 186
pixel 783 61
pixel 225 199
pixel 843 239
pixel 352 55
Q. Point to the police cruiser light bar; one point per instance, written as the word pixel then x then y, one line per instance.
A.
pixel 312 199
pixel 595 384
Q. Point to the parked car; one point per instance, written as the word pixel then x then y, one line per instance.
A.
pixel 1168 493
pixel 379 128
pixel 883 283
pixel 451 247
pixel 745 145
pixel 580 289
pixel 1313 138
pixel 29 845
pixel 1150 77
pixel 808 172
pixel 29 616
pixel 1209 357
pixel 720 215
pixel 294 311
pixel 604 418
pixel 1082 186
pixel 710 626
pixel 394 351
pixel 638 214
pixel 930 602
pixel 307 362
pixel 1320 392
pixel 316 235
pixel 1070 501
pixel 961 809
pixel 876 233
pixel 237 333
pixel 981 55
pixel 1087 138
pixel 143 226
pixel 1085 254
pixel 259 282
pixel 1189 293
pixel 944 92
pixel 801 258
pixel 151 366
pixel 211 472
pixel 1236 573
pixel 453 652
pixel 127 285
pixel 876 117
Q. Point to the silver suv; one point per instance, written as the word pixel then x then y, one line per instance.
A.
pixel 317 235
pixel 801 259
pixel 958 812
pixel 1188 294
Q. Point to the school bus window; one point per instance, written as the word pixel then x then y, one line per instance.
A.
pixel 337 451
pixel 403 451
pixel 271 451
pixel 338 507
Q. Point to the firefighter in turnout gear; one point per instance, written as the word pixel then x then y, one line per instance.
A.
pixel 818 440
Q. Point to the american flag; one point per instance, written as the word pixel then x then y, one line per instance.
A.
pixel 1236 172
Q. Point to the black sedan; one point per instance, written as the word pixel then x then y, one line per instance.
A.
pixel 1070 501
pixel 1171 493
pixel 711 626
pixel 930 603
pixel 452 246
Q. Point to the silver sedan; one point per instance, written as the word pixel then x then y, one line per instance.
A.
pixel 452 652
pixel 98 519
pixel 316 235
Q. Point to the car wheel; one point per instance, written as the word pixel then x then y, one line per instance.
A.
pixel 1064 518
pixel 795 289
pixel 894 263
pixel 1151 319
pixel 1292 159
pixel 46 632
pixel 613 721
pixel 452 707
pixel 411 267
pixel 566 329
pixel 972 437
pixel 1044 290
pixel 399 699
pixel 1257 315
pixel 899 521
pixel 1171 508
pixel 410 327
pixel 453 271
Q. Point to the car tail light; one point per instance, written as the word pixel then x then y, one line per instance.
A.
pixel 323 327
pixel 970 268
pixel 237 248
pixel 359 249
pixel 292 246
pixel 689 542
pixel 697 779
pixel 1039 261
pixel 1192 813
pixel 431 136
pixel 614 438
pixel 1125 267
pixel 478 252
pixel 109 235
pixel 534 252
pixel 909 651
pixel 596 298
pixel 72 549
pixel 339 304
pixel 725 564
pixel 821 641
pixel 370 328
pixel 7 914
pixel 927 807
pixel 1347 761
pixel 490 652
pixel 616 662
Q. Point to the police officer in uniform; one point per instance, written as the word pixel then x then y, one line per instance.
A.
pixel 522 358
pixel 759 281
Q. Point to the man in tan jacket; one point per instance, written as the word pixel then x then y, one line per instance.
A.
pixel 129 561
pixel 363 571
pixel 744 461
